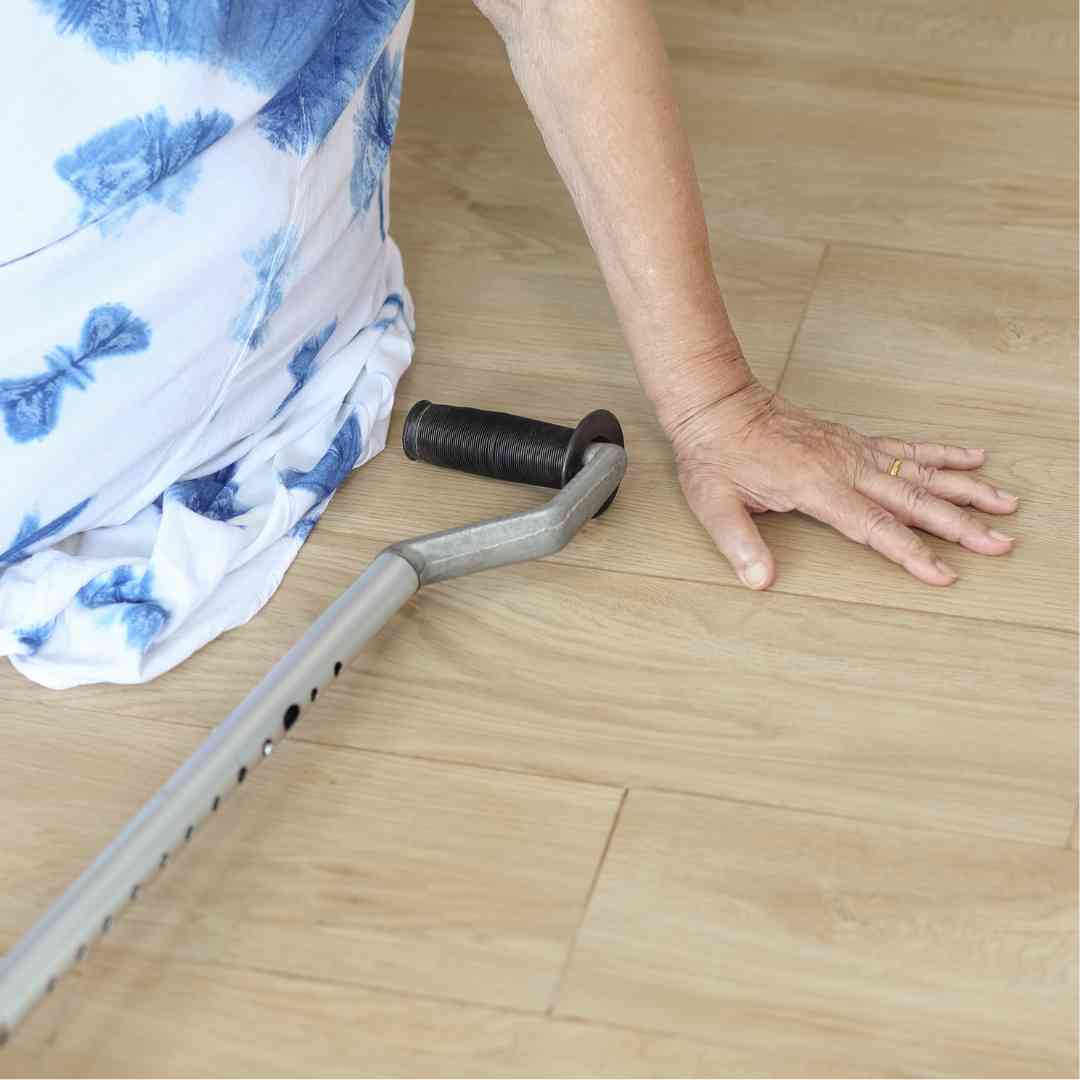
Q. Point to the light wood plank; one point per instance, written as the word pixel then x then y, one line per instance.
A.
pixel 841 121
pixel 906 953
pixel 913 337
pixel 884 715
pixel 328 863
pixel 212 1021
pixel 954 45
pixel 872 123
pixel 879 715
pixel 553 317
pixel 887 389
pixel 818 149
pixel 989 46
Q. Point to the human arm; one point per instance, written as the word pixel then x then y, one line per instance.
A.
pixel 595 76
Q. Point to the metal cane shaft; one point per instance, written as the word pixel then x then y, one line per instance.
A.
pixel 169 820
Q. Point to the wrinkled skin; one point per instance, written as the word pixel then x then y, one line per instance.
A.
pixel 753 451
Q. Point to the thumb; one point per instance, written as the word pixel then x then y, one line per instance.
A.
pixel 732 528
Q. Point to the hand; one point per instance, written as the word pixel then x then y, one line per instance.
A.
pixel 753 451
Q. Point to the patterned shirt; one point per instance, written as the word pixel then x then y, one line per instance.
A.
pixel 205 319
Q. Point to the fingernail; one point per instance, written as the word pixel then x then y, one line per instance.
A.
pixel 1003 494
pixel 755 574
pixel 1001 536
pixel 945 569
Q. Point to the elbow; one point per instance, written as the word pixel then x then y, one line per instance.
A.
pixel 534 29
pixel 504 15
pixel 511 18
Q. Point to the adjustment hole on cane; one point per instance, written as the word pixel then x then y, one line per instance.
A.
pixel 291 715
pixel 216 803
pixel 314 692
pixel 268 747
pixel 189 832
pixel 80 954
pixel 50 986
pixel 134 892
pixel 164 860
pixel 241 774
pixel 337 669
pixel 106 924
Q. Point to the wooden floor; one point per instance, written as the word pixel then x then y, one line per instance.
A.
pixel 613 814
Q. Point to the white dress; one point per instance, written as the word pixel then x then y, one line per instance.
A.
pixel 204 317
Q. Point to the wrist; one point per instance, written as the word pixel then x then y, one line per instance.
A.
pixel 698 383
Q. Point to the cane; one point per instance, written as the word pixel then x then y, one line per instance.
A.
pixel 585 463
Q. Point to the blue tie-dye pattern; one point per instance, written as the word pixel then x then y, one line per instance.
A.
pixel 310 55
pixel 32 405
pixel 271 263
pixel 137 161
pixel 31 531
pixel 302 529
pixel 325 476
pixel 304 110
pixel 384 322
pixel 31 638
pixel 302 364
pixel 121 594
pixel 373 129
pixel 212 496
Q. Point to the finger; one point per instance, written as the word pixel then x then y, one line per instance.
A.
pixel 938 455
pixel 961 488
pixel 915 505
pixel 864 521
pixel 729 523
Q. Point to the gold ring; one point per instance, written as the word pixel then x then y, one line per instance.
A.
pixel 894 468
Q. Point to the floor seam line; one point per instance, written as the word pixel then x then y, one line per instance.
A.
pixel 448 999
pixel 1070 836
pixel 991 260
pixel 813 597
pixel 572 945
pixel 870 821
pixel 802 317
pixel 1057 440
pixel 624 787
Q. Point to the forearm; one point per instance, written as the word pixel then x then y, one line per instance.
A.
pixel 596 77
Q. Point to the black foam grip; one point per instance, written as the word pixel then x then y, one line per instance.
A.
pixel 502 445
